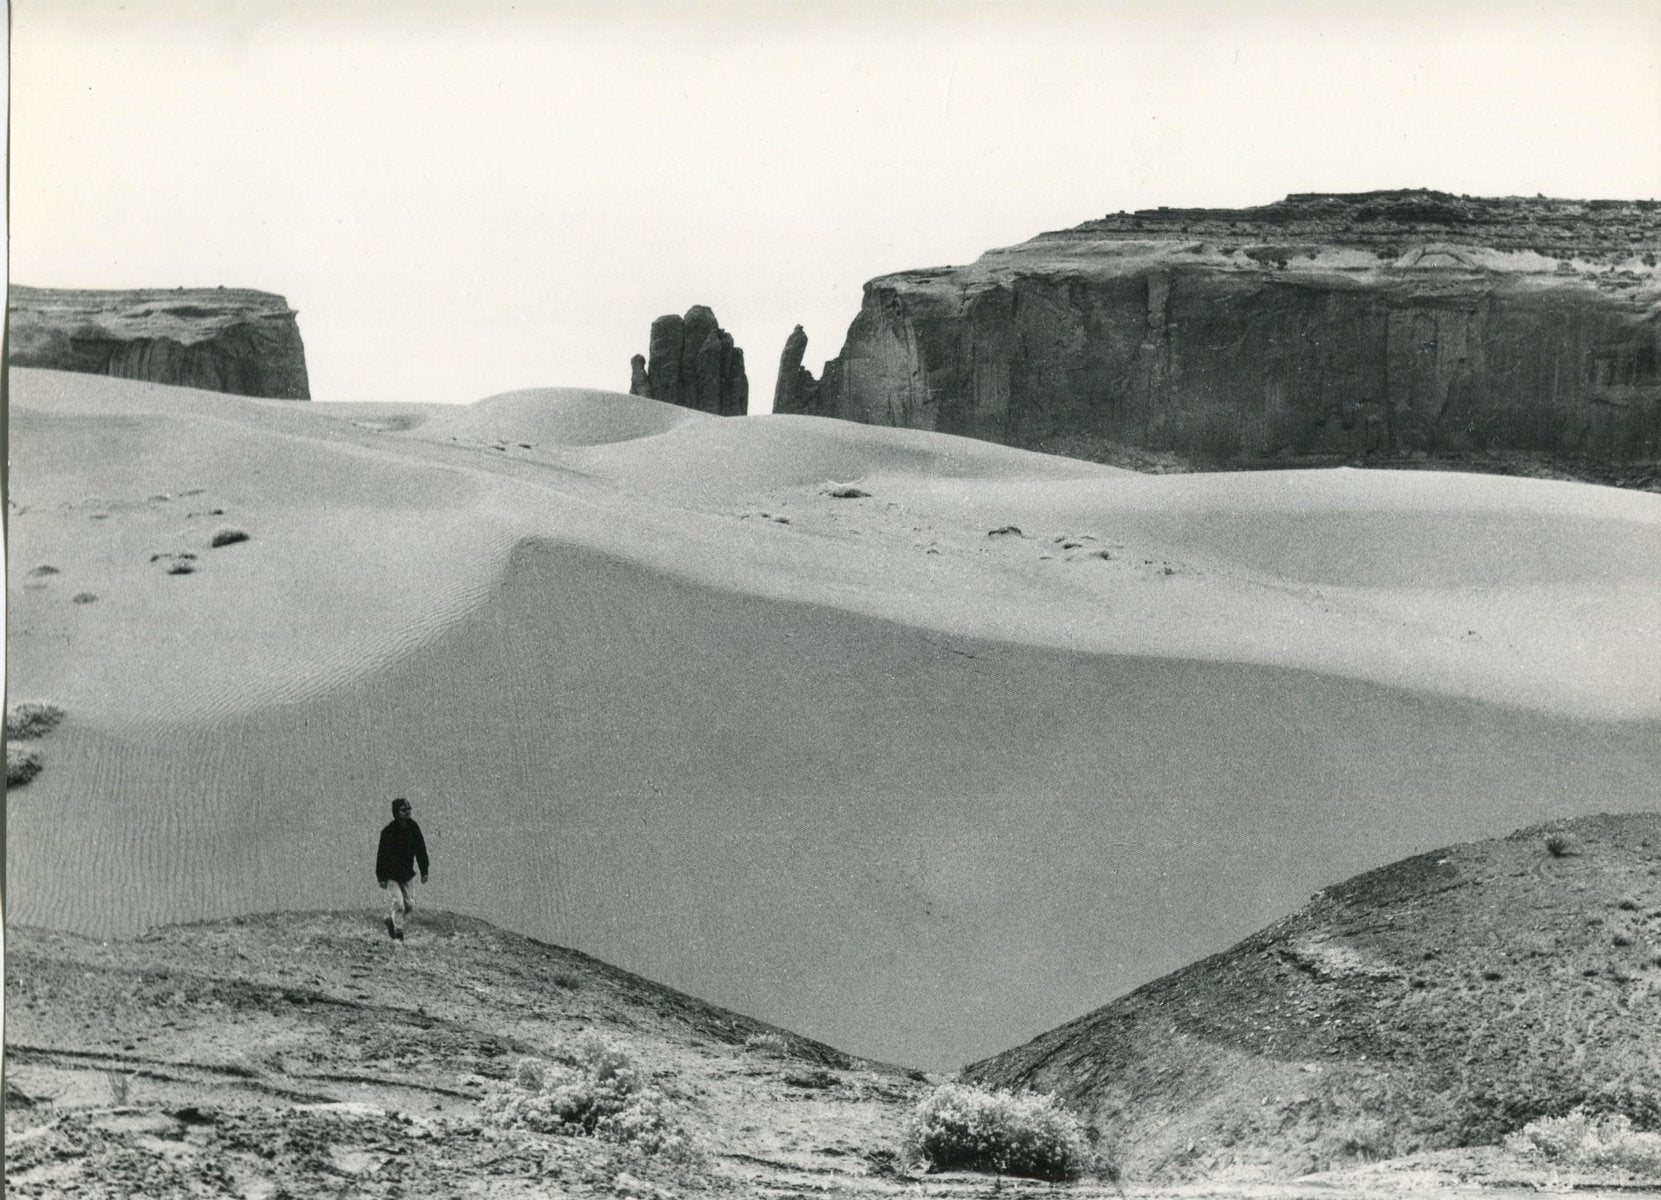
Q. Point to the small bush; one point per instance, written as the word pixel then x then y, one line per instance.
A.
pixel 768 1043
pixel 961 1127
pixel 1365 1137
pixel 846 491
pixel 1560 845
pixel 1580 1139
pixel 598 1093
pixel 227 537
pixel 32 720
pixel 22 764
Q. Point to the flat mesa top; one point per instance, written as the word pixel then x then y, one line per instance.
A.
pixel 1542 223
pixel 141 312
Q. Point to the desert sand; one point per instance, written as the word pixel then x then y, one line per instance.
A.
pixel 859 766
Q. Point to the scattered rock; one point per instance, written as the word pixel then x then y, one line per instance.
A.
pixel 83 598
pixel 811 1080
pixel 1005 530
pixel 227 537
pixel 43 570
pixel 846 491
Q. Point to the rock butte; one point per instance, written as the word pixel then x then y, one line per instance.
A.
pixel 218 339
pixel 1317 328
pixel 693 363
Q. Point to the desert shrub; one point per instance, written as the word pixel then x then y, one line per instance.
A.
pixel 31 720
pixel 1584 1139
pixel 1365 1137
pixel 768 1043
pixel 22 764
pixel 1560 845
pixel 961 1127
pixel 227 537
pixel 598 1092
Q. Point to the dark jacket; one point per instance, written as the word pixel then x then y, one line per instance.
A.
pixel 399 845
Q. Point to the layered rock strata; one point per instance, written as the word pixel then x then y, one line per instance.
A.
pixel 1323 325
pixel 694 363
pixel 218 339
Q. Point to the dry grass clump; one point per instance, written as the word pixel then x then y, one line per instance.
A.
pixel 1581 1139
pixel 1559 845
pixel 32 720
pixel 596 1091
pixel 768 1043
pixel 960 1127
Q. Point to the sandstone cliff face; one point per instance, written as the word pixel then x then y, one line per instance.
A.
pixel 1320 326
pixel 693 363
pixel 218 339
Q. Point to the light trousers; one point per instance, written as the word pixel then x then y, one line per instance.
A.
pixel 402 896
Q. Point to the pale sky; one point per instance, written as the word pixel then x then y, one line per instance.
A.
pixel 466 198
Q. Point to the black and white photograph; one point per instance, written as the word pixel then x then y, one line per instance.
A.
pixel 821 598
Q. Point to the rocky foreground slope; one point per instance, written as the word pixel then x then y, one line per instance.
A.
pixel 1318 328
pixel 218 339
pixel 305 1054
pixel 1442 1001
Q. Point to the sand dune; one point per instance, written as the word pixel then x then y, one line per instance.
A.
pixel 857 766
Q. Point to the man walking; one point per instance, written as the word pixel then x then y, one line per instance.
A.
pixel 402 848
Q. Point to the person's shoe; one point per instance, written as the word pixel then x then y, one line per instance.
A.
pixel 397 935
pixel 391 929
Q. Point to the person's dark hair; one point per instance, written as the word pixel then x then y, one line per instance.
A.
pixel 400 802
